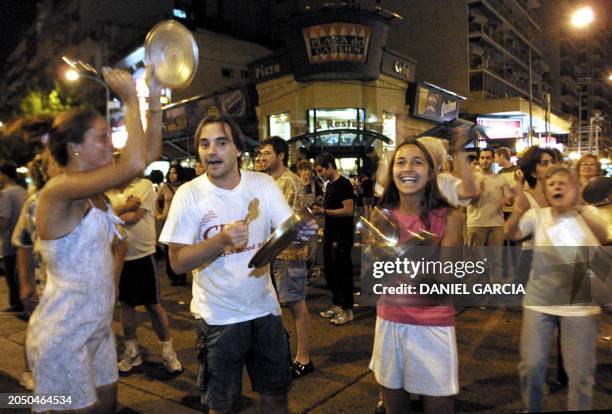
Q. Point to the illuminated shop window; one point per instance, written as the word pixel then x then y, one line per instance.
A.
pixel 324 119
pixel 279 125
pixel 389 129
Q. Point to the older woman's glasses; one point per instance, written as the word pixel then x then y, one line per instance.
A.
pixel 587 164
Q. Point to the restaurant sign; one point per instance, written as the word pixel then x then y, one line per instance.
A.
pixel 337 42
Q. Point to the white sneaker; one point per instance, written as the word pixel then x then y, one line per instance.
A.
pixel 171 362
pixel 331 312
pixel 128 362
pixel 27 380
pixel 344 316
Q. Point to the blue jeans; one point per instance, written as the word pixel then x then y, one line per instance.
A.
pixel 578 346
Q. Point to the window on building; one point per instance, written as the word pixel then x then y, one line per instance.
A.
pixel 179 13
pixel 279 125
pixel 227 73
pixel 244 74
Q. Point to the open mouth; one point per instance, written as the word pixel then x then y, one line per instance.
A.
pixel 409 179
pixel 557 196
pixel 214 162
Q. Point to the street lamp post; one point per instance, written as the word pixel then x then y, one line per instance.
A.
pixel 581 18
pixel 75 73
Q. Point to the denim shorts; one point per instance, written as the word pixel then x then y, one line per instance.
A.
pixel 290 277
pixel 261 344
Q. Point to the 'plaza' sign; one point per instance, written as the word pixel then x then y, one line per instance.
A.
pixel 337 42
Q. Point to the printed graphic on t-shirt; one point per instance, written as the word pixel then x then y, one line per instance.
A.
pixel 209 227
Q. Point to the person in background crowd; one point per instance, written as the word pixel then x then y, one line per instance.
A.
pixel 257 166
pixel 289 267
pixel 415 349
pixel 587 167
pixel 311 185
pixel 473 162
pixel 157 178
pixel 199 169
pixel 598 192
pixel 138 281
pixel 338 239
pixel 174 179
pixel 458 189
pixel 12 197
pixel 485 218
pixel 215 225
pixel 313 194
pixel 367 193
pixel 508 171
pixel 31 269
pixel 549 300
pixel 70 343
pixel 533 165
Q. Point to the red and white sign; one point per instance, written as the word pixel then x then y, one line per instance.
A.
pixel 501 127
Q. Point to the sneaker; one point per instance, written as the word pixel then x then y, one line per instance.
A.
pixel 27 381
pixel 172 363
pixel 299 370
pixel 344 316
pixel 331 312
pixel 128 362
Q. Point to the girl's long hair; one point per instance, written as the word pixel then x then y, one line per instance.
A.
pixel 432 198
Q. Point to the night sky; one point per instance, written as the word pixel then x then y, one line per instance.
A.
pixel 15 17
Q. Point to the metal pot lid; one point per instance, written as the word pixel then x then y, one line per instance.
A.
pixel 278 241
pixel 172 50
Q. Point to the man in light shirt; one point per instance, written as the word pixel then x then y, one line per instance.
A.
pixel 215 225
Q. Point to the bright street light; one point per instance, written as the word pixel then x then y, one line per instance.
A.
pixel 76 71
pixel 582 17
pixel 71 75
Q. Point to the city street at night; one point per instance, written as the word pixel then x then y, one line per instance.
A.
pixel 342 383
pixel 305 206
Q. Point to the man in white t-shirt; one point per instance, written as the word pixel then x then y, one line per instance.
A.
pixel 215 225
pixel 134 203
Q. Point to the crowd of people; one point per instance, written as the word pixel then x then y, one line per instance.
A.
pixel 87 237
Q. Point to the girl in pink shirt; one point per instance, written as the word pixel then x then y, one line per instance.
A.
pixel 415 348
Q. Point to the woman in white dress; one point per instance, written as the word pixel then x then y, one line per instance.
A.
pixel 70 344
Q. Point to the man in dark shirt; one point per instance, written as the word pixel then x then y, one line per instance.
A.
pixel 338 239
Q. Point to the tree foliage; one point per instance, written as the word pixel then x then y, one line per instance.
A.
pixel 39 102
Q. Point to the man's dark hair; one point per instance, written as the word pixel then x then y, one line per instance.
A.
pixel 325 160
pixel 280 146
pixel 228 123
pixel 156 177
pixel 10 170
pixel 485 150
pixel 471 158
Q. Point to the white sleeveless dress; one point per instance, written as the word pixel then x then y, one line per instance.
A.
pixel 70 344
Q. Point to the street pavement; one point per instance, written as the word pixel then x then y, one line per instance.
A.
pixel 488 342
